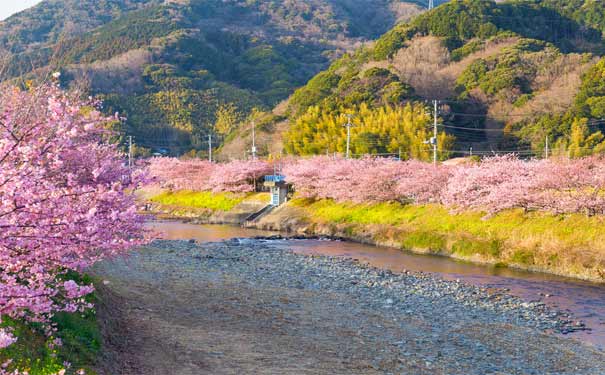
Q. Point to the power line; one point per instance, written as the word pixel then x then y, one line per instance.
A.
pixel 383 154
pixel 487 115
pixel 472 129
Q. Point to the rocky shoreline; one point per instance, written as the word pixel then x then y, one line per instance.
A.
pixel 370 320
pixel 399 292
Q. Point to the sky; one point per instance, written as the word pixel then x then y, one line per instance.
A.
pixel 10 7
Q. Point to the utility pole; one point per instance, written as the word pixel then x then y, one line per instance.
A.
pixel 210 147
pixel 546 150
pixel 253 140
pixel 130 151
pixel 434 140
pixel 349 125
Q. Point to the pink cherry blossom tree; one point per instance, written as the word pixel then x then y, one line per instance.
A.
pixel 176 174
pixel 66 201
pixel 367 180
pixel 238 176
pixel 506 182
pixel 571 185
pixel 493 185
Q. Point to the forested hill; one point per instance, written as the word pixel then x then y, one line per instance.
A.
pixel 169 65
pixel 509 75
pixel 51 20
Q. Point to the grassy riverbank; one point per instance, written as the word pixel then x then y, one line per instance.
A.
pixel 199 200
pixel 570 245
pixel 207 207
pixel 37 354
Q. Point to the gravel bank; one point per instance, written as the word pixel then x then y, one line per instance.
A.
pixel 250 306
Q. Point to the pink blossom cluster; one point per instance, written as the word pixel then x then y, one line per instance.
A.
pixel 555 185
pixel 367 180
pixel 65 201
pixel 239 176
pixel 6 339
pixel 177 174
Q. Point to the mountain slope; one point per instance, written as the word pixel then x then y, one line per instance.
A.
pixel 509 74
pixel 50 20
pixel 168 66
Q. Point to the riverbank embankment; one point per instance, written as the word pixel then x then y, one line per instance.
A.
pixel 571 245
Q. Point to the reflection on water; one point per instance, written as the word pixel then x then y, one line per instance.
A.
pixel 585 300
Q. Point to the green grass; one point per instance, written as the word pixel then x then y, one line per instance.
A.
pixel 197 199
pixel 469 248
pixel 34 352
pixel 523 257
pixel 31 352
pixel 438 219
pixel 424 240
pixel 567 244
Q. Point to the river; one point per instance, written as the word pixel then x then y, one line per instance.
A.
pixel 583 299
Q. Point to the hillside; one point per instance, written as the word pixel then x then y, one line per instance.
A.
pixel 168 66
pixel 508 75
pixel 51 20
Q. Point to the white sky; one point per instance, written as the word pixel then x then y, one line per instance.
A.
pixel 10 7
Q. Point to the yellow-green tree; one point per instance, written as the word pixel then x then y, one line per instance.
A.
pixel 581 141
pixel 383 130
pixel 178 108
pixel 227 119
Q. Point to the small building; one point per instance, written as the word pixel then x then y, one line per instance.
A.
pixel 278 187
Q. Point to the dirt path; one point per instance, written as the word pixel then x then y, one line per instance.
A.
pixel 179 309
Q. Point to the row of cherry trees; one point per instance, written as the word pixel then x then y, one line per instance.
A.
pixel 65 202
pixel 239 176
pixel 493 185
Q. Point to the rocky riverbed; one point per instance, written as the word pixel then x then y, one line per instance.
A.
pixel 253 307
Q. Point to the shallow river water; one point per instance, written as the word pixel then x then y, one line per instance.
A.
pixel 585 300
